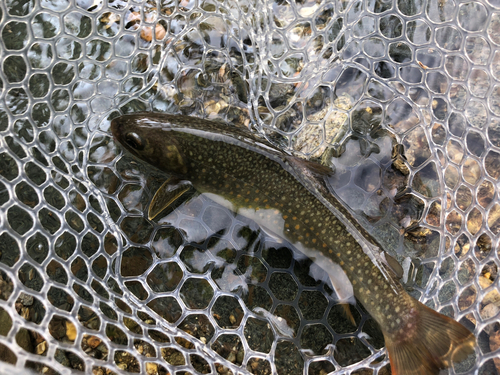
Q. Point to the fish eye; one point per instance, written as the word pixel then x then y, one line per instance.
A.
pixel 135 141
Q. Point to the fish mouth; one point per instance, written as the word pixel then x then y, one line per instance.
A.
pixel 116 125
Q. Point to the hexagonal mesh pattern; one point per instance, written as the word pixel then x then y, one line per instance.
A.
pixel 88 283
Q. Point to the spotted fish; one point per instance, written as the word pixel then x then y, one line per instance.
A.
pixel 288 196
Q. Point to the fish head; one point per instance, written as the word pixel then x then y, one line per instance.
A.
pixel 151 139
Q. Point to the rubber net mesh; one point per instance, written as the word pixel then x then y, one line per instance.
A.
pixel 400 97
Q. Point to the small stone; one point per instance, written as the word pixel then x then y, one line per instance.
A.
pixel 93 341
pixel 151 368
pixel 491 297
pixel 484 282
pixel 489 311
pixel 147 32
pixel 222 370
pixel 122 366
pixel 160 31
pixel 41 348
pixel 25 313
pixel 70 331
pixel 25 299
pixel 240 355
pixel 23 339
pixel 5 322
pixel 231 357
pixel 232 319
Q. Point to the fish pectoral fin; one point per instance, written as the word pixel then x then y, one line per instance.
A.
pixel 168 193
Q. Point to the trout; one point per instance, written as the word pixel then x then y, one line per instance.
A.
pixel 289 196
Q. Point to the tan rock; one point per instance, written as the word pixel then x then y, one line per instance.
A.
pixel 41 348
pixel 93 341
pixel 489 311
pixel 147 32
pixel 491 297
pixel 151 368
pixel 70 331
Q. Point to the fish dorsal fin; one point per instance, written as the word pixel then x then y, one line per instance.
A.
pixel 310 166
pixel 392 265
pixel 168 193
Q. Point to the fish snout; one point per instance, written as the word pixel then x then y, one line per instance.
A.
pixel 116 128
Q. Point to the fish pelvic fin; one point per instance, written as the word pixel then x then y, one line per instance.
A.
pixel 431 344
pixel 348 313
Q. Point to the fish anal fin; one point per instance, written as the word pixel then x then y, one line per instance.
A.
pixel 168 193
pixel 311 166
pixel 431 344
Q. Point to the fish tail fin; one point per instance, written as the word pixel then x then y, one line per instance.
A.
pixel 431 344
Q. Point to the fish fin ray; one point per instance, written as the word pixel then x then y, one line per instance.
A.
pixel 311 166
pixel 168 193
pixel 348 313
pixel 432 344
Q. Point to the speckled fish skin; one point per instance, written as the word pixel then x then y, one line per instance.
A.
pixel 289 196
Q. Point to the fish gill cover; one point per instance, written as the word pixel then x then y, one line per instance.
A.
pixel 400 97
